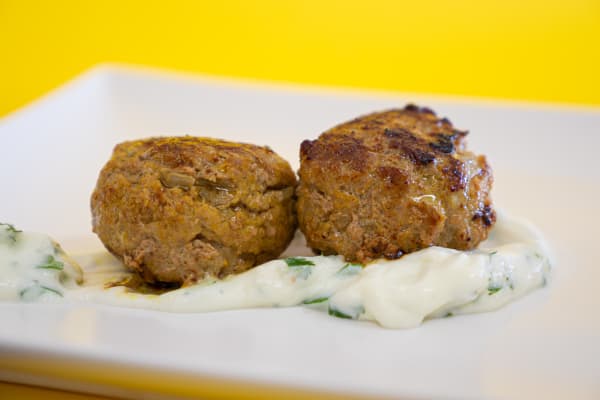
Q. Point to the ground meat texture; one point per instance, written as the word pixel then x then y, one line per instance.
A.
pixel 391 183
pixel 180 209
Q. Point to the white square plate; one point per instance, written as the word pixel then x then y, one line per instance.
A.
pixel 546 345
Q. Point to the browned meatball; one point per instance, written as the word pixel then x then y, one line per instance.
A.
pixel 390 183
pixel 183 208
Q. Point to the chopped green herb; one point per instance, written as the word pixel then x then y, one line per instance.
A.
pixel 350 269
pixel 52 263
pixel 301 266
pixel 12 231
pixel 338 313
pixel 52 290
pixel 448 315
pixel 297 261
pixel 36 290
pixel 493 290
pixel 316 300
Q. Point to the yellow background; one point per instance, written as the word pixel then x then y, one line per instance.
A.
pixel 542 50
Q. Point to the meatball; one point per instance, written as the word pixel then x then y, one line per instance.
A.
pixel 391 183
pixel 180 209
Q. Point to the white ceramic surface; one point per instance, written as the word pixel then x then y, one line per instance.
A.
pixel 545 161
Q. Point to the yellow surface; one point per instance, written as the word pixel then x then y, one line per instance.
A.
pixel 137 382
pixel 544 50
pixel 24 392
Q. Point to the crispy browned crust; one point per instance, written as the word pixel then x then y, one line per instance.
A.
pixel 183 208
pixel 390 183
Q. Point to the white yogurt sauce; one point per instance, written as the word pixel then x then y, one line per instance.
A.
pixel 33 267
pixel 434 282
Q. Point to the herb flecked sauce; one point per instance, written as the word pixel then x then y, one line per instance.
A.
pixel 431 283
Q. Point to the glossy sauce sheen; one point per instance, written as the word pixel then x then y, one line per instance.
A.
pixel 435 282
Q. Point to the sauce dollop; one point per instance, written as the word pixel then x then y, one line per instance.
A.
pixel 431 283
